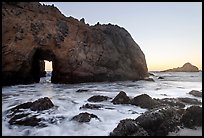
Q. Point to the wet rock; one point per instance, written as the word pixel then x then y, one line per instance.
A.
pixel 196 93
pixel 91 106
pixel 160 77
pixel 98 98
pixel 144 101
pixel 128 127
pixel 159 122
pixel 20 117
pixel 192 117
pixel 171 102
pixel 23 119
pixel 190 101
pixel 84 117
pixel 121 98
pixel 149 79
pixel 82 90
pixel 151 74
pixel 41 104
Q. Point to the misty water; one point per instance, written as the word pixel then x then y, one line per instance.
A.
pixel 68 101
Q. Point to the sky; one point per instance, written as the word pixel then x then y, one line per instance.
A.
pixel 168 33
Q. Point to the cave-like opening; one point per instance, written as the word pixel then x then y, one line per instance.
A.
pixel 42 65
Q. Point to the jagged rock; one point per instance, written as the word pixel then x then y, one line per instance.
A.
pixel 196 93
pixel 144 101
pixel 82 20
pixel 79 52
pixel 91 106
pixel 159 122
pixel 128 127
pixel 187 67
pixel 121 98
pixel 192 117
pixel 151 74
pixel 84 117
pixel 98 98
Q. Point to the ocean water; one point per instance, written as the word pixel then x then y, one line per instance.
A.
pixel 68 102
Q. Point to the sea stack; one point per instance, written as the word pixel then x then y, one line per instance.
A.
pixel 32 32
pixel 187 67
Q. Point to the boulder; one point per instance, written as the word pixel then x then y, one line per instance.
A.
pixel 196 93
pixel 192 117
pixel 84 117
pixel 79 52
pixel 121 98
pixel 98 98
pixel 42 104
pixel 144 101
pixel 128 127
pixel 159 122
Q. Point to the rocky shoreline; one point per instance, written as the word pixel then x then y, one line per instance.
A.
pixel 162 116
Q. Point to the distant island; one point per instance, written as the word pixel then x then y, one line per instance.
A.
pixel 187 67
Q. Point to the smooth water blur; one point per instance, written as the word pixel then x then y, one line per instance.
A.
pixel 67 102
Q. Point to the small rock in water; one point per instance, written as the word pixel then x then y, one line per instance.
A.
pixel 98 98
pixel 84 117
pixel 82 90
pixel 91 106
pixel 196 93
pixel 144 101
pixel 189 100
pixel 160 77
pixel 121 98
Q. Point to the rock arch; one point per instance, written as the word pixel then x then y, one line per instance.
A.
pixel 79 52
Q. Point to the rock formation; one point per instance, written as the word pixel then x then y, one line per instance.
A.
pixel 187 67
pixel 79 53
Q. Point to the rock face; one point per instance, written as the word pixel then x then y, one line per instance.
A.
pixel 79 52
pixel 187 67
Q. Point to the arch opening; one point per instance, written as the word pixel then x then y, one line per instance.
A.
pixel 42 65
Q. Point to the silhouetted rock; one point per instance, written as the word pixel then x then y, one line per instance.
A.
pixel 159 122
pixel 128 127
pixel 121 98
pixel 84 117
pixel 79 52
pixel 192 117
pixel 187 67
pixel 98 98
pixel 196 93
pixel 144 101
